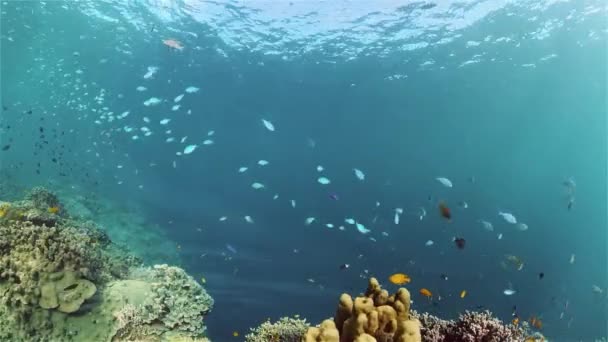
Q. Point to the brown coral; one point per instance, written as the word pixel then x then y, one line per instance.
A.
pixel 375 316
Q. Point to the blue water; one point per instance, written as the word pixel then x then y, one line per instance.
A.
pixel 511 95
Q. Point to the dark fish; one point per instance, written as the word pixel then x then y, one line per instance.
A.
pixel 29 111
pixel 541 275
pixel 344 266
pixel 4 107
pixel 6 147
pixel 428 5
pixel 460 242
pixel 444 276
pixel 334 197
pixel 444 211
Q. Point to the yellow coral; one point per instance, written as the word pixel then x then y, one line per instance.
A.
pixel 375 316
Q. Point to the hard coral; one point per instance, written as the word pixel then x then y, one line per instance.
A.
pixel 42 198
pixel 375 316
pixel 286 329
pixel 470 327
pixel 177 300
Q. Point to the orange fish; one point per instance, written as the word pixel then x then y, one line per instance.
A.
pixel 536 322
pixel 399 278
pixel 444 211
pixel 426 293
pixel 173 43
pixel 515 321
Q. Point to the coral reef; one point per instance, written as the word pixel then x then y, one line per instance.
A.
pixel 375 316
pixel 62 279
pixel 469 327
pixel 286 329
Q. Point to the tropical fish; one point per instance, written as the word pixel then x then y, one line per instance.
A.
pixel 444 211
pixel 536 322
pixel 508 217
pixel 323 180
pixel 174 44
pixel 421 213
pixel 361 228
pixel 508 292
pixel 344 266
pixel 262 162
pixel 257 185
pixel 309 220
pixel 399 278
pixel 153 101
pixel 460 242
pixel 522 227
pixel 429 243
pixel 269 126
pixel 151 71
pixel 425 292
pixel 597 289
pixel 334 196
pixel 320 168
pixel 398 211
pixel 231 248
pixel 572 258
pixel 164 121
pixel 487 225
pixel 248 219
pixel 235 334
pixel 463 293
pixel 189 149
pixel 329 225
pixel 359 174
pixel 178 98
pixel 349 220
pixel 242 169
pixel 208 142
pixel 191 89
pixel 53 210
pixel 444 181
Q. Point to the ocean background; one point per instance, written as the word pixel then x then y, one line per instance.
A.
pixel 507 99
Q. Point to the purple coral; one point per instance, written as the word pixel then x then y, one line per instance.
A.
pixel 470 327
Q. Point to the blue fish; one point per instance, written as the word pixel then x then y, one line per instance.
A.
pixel 231 248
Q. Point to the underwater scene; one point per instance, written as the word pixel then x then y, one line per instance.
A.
pixel 304 170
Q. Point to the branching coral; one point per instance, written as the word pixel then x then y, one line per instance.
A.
pixel 470 327
pixel 286 329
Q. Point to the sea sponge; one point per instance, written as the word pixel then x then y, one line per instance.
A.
pixel 375 316
pixel 286 329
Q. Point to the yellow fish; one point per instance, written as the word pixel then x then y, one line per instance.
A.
pixel 399 278
pixel 54 210
pixel 463 293
pixel 235 334
pixel 426 293
pixel 203 280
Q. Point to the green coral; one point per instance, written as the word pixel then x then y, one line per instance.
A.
pixel 286 329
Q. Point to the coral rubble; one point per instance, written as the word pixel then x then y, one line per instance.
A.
pixel 62 279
